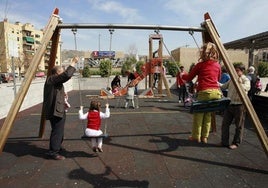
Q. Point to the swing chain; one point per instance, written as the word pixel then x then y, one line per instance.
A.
pixel 157 31
pixel 74 30
pixel 191 32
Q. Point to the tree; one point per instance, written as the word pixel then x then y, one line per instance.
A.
pixel 128 65
pixel 172 68
pixel 86 72
pixel 27 58
pixel 21 61
pixel 105 68
pixel 139 64
pixel 132 50
pixel 263 69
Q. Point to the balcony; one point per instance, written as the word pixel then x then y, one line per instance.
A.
pixel 28 40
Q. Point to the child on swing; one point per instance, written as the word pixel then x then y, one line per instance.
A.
pixel 94 116
pixel 208 72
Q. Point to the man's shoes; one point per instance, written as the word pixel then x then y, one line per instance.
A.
pixel 54 155
pixel 63 150
pixel 58 157
pixel 100 149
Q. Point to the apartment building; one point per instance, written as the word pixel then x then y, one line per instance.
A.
pixel 19 43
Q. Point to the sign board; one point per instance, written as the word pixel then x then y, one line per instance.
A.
pixel 13 45
pixel 103 54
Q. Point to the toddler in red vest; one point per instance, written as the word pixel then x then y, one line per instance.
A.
pixel 94 116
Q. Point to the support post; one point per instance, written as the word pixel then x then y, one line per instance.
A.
pixel 215 38
pixel 150 58
pixel 161 76
pixel 6 128
pixel 52 59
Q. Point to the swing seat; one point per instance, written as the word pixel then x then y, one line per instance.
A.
pixel 89 137
pixel 210 106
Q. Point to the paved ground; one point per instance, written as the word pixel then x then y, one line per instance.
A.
pixel 147 147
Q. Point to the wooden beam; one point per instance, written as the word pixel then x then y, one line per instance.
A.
pixel 229 66
pixel 52 60
pixel 5 129
pixel 207 38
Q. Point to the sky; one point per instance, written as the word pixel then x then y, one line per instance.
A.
pixel 233 19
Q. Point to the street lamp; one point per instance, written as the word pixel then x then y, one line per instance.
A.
pixel 74 30
pixel 111 33
pixel 99 41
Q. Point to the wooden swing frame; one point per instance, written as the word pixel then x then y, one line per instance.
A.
pixel 52 32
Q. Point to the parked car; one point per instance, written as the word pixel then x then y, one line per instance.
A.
pixel 40 74
pixel 7 77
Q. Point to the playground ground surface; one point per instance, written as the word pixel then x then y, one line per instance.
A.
pixel 147 147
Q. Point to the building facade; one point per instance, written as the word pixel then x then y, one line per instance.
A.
pixel 20 43
pixel 188 56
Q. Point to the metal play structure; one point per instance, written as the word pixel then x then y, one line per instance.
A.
pixel 52 33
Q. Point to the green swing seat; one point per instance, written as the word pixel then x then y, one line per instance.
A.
pixel 210 106
pixel 89 137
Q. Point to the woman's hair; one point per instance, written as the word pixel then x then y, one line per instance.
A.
pixel 209 52
pixel 95 105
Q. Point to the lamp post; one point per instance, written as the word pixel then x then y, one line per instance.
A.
pixel 99 41
pixel 111 33
pixel 74 30
pixel 110 55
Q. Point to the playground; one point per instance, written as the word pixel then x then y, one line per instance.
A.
pixel 146 147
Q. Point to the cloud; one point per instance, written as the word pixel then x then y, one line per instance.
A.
pixel 127 14
pixel 233 19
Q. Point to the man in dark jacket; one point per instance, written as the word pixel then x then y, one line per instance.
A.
pixel 54 106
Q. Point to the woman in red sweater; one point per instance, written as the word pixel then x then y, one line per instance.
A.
pixel 208 72
pixel 94 116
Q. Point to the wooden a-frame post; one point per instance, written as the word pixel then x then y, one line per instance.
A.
pixel 212 35
pixel 14 109
pixel 52 60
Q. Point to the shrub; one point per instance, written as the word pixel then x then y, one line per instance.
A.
pixel 139 64
pixel 105 68
pixel 172 68
pixel 263 69
pixel 116 72
pixel 86 72
pixel 94 72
